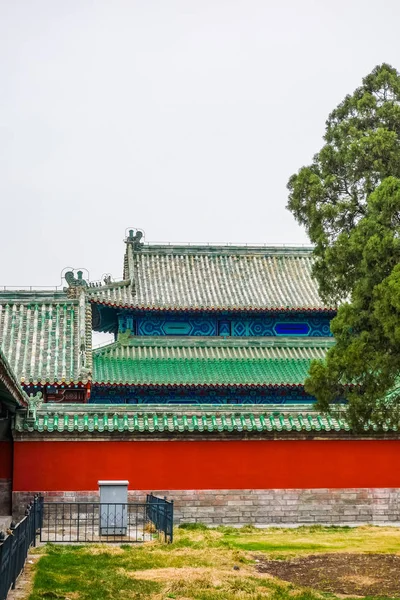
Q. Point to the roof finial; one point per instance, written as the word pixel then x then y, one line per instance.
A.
pixel 75 284
pixel 75 281
pixel 135 238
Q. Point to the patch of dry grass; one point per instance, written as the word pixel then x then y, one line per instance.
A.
pixel 201 564
pixel 286 543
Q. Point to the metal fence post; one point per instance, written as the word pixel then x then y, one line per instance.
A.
pixel 172 521
pixel 13 552
pixel 34 519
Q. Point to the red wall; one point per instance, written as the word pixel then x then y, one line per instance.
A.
pixel 74 466
pixel 5 460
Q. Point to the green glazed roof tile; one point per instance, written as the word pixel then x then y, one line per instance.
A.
pixel 42 339
pixel 217 362
pixel 179 419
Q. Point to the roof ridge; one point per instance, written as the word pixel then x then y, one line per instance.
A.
pixel 76 408
pixel 210 248
pixel 34 296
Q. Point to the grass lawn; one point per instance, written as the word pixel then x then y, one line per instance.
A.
pixel 202 564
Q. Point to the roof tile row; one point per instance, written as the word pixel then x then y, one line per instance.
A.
pixel 216 362
pixel 43 341
pixel 180 419
pixel 207 419
pixel 164 277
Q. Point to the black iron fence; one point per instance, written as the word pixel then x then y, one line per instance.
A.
pixel 107 522
pixel 160 511
pixel 81 522
pixel 14 546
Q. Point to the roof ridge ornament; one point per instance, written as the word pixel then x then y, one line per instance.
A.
pixel 75 281
pixel 34 403
pixel 135 237
pixel 75 284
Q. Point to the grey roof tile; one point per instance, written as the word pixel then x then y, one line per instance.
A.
pixel 214 278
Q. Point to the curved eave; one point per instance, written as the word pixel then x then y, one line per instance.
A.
pixel 13 390
pixel 217 309
pixel 192 386
pixel 102 428
pixel 55 383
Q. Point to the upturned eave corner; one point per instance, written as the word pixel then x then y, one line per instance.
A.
pixel 11 392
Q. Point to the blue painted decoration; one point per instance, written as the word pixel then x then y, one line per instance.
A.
pixel 142 395
pixel 292 328
pixel 287 325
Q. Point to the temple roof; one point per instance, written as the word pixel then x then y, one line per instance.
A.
pixel 234 278
pixel 45 338
pixel 180 419
pixel 215 362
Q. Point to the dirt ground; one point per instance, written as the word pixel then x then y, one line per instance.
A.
pixel 350 574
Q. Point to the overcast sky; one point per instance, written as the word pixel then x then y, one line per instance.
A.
pixel 181 117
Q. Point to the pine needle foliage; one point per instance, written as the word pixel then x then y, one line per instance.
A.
pixel 348 200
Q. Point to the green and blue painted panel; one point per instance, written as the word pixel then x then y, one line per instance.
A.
pixel 147 395
pixel 285 324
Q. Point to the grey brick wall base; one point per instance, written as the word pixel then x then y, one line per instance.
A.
pixel 261 507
